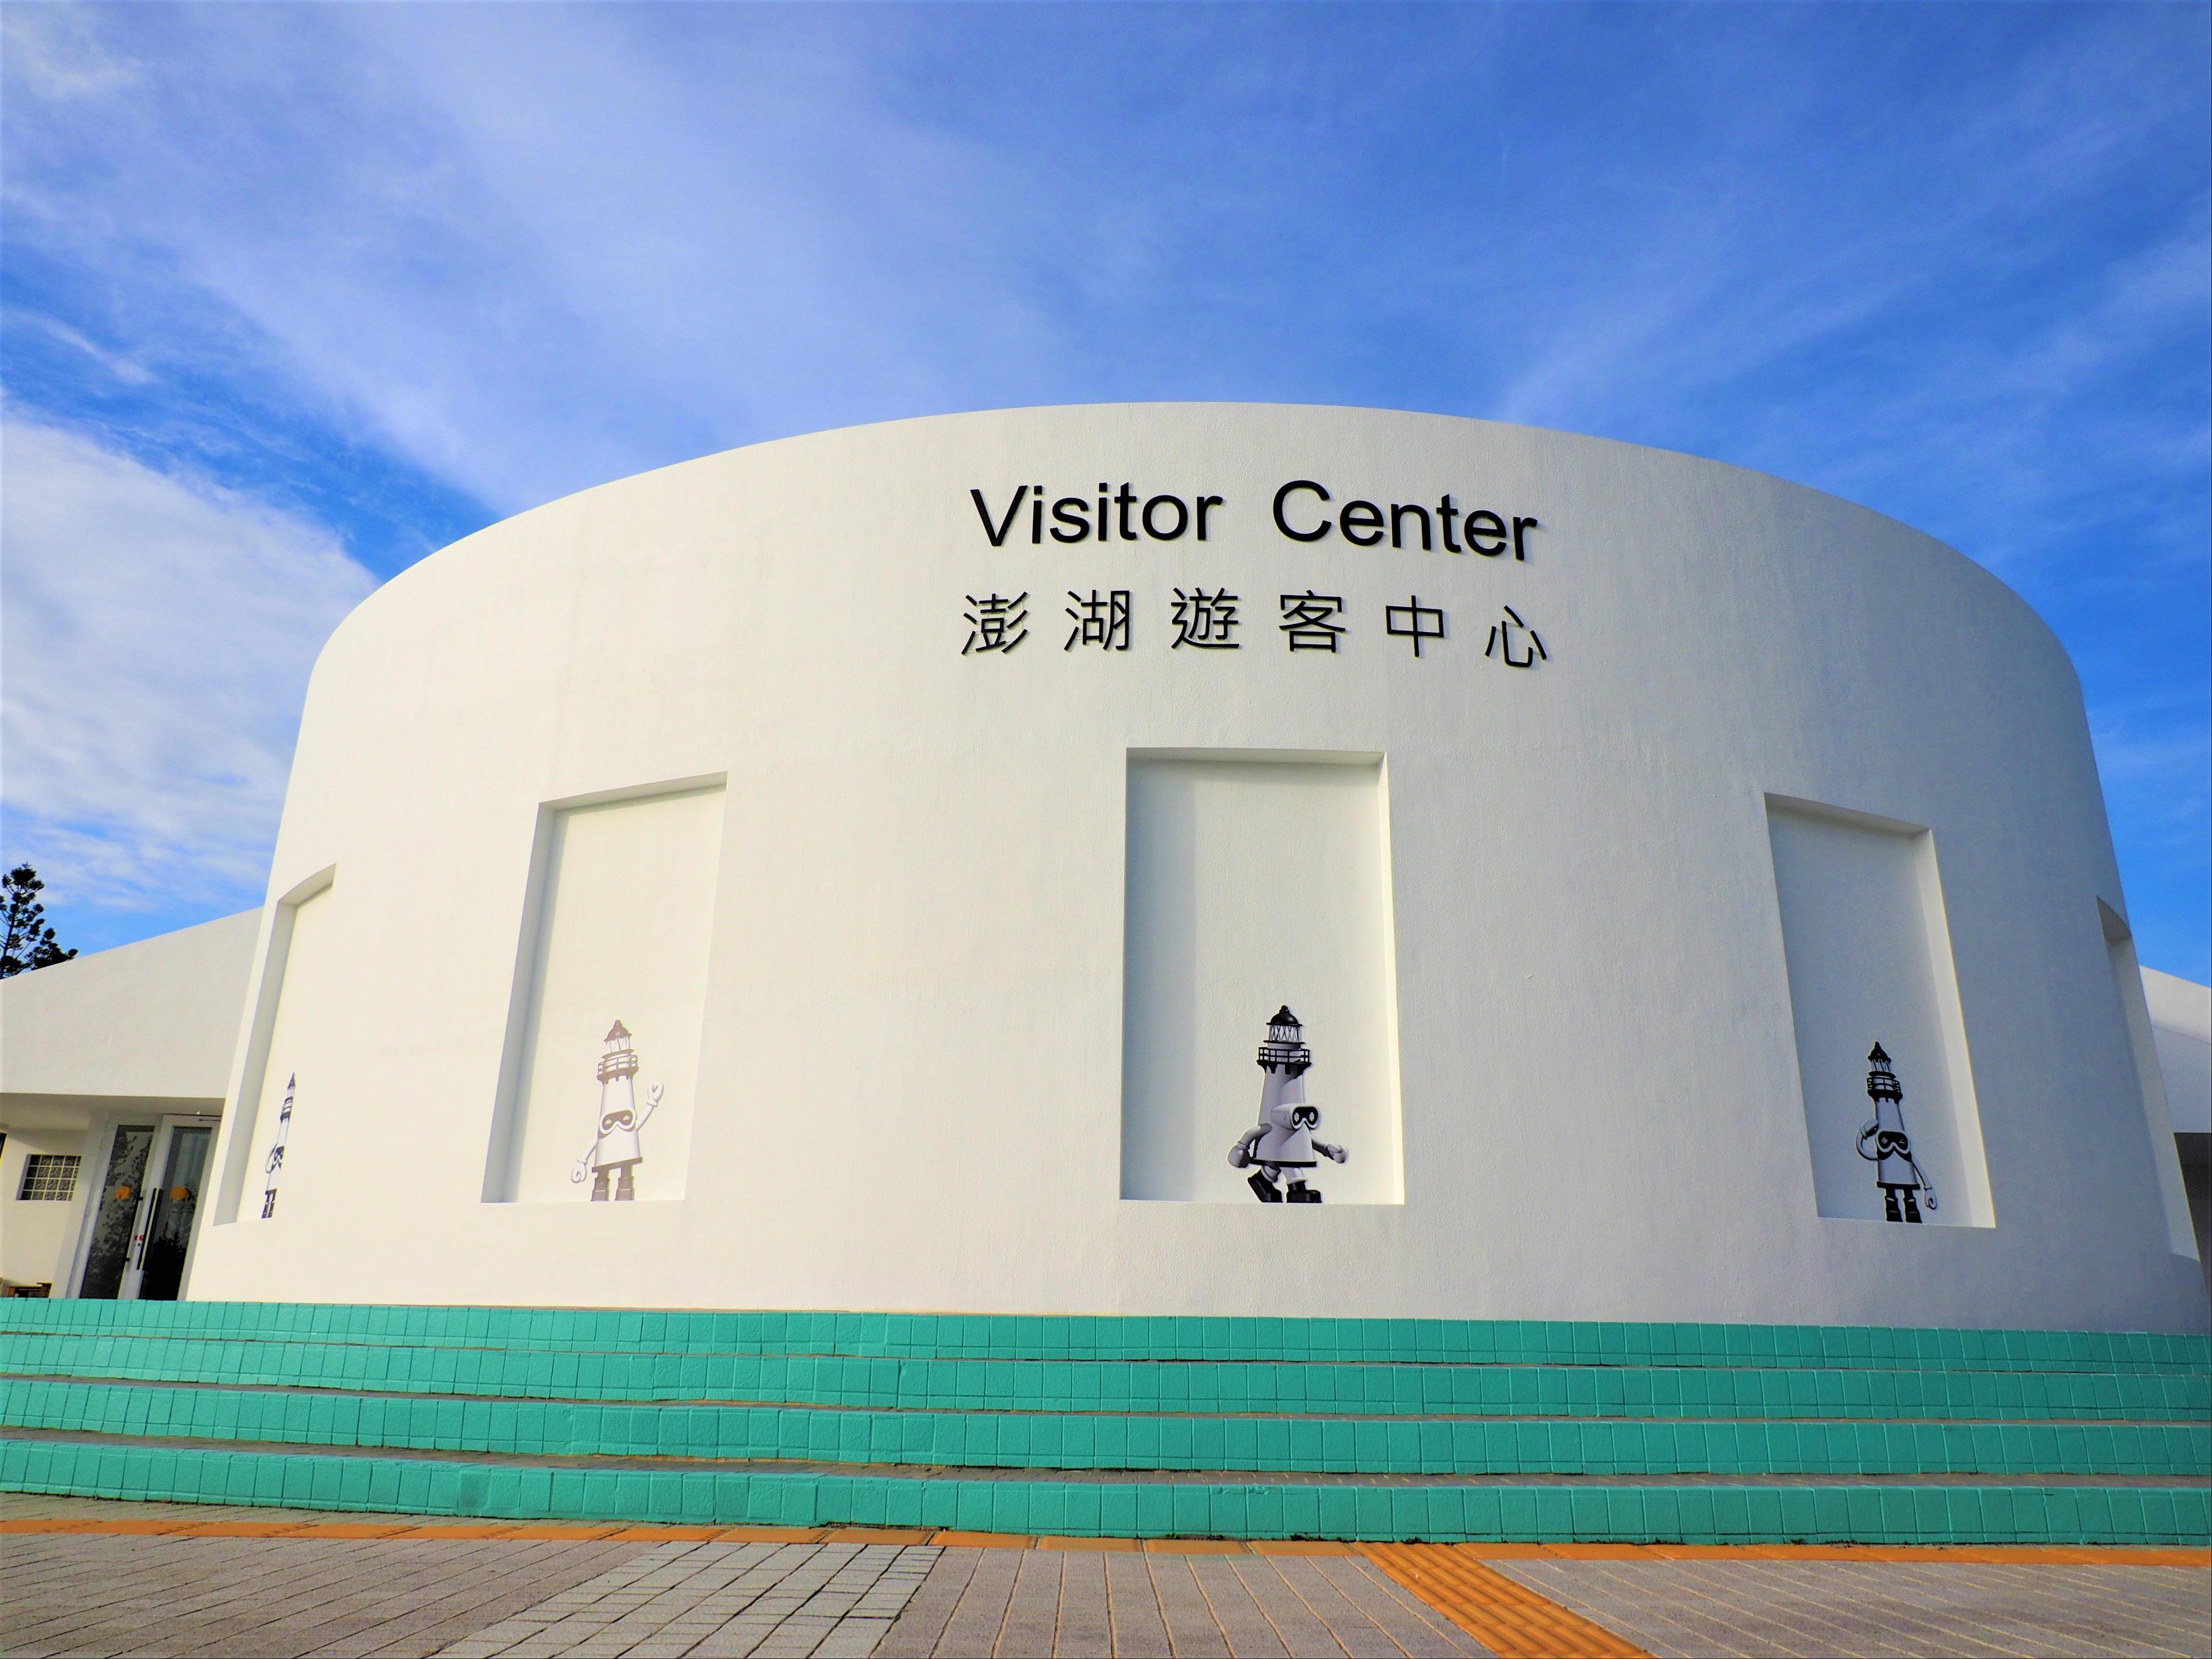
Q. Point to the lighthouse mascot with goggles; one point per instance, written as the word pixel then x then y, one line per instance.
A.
pixel 1884 1143
pixel 614 1151
pixel 1283 1146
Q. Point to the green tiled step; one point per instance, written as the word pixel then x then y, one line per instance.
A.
pixel 1248 1428
pixel 1112 1441
pixel 1809 1512
pixel 1143 1386
pixel 1028 1336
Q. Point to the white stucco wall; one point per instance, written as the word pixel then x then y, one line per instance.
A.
pixel 2180 1013
pixel 155 1019
pixel 34 1232
pixel 909 1080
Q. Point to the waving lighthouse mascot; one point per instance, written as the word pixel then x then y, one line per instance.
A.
pixel 615 1152
pixel 1894 1170
pixel 1284 1145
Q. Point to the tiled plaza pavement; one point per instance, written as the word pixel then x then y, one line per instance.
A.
pixel 721 1600
pixel 1917 1608
pixel 346 1587
pixel 251 1596
pixel 64 1593
pixel 1021 1603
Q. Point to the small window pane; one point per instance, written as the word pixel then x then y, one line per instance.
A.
pixel 48 1175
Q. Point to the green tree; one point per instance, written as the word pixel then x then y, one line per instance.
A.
pixel 30 942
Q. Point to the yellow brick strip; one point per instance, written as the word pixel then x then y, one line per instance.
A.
pixel 1511 1620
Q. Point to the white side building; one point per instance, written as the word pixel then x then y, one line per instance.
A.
pixel 113 1069
pixel 2180 1013
pixel 942 810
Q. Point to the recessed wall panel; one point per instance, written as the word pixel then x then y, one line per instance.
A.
pixel 2150 1085
pixel 303 996
pixel 620 918
pixel 1257 885
pixel 314 995
pixel 1869 963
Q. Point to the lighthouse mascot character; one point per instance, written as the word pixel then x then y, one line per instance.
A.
pixel 1284 1144
pixel 1883 1143
pixel 614 1151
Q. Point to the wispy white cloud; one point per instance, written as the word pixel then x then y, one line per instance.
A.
pixel 1931 248
pixel 155 636
pixel 61 52
pixel 125 369
pixel 534 260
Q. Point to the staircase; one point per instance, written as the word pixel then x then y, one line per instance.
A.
pixel 1134 1427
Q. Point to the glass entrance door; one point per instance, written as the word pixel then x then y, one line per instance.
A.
pixel 176 1199
pixel 122 1201
pixel 142 1232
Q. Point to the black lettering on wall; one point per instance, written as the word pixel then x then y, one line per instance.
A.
pixel 1125 500
pixel 998 535
pixel 1069 510
pixel 1361 523
pixel 1181 518
pixel 1284 525
pixel 1125 515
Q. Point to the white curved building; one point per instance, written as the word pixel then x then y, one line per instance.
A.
pixel 941 809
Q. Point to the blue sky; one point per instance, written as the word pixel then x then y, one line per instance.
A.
pixel 295 295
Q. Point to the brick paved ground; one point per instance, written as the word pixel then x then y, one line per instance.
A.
pixel 1029 1603
pixel 250 1596
pixel 1789 1607
pixel 651 1595
pixel 721 1600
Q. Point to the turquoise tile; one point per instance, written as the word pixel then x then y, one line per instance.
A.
pixel 2192 1514
pixel 1190 1511
pixel 1373 1511
pixel 2162 1517
pixel 1554 1514
pixel 1694 1514
pixel 1591 1513
pixel 1263 1511
pixel 1336 1512
pixel 1117 1510
pixel 1155 1512
pixel 2063 1519
pixel 1731 1509
pixel 1795 1516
